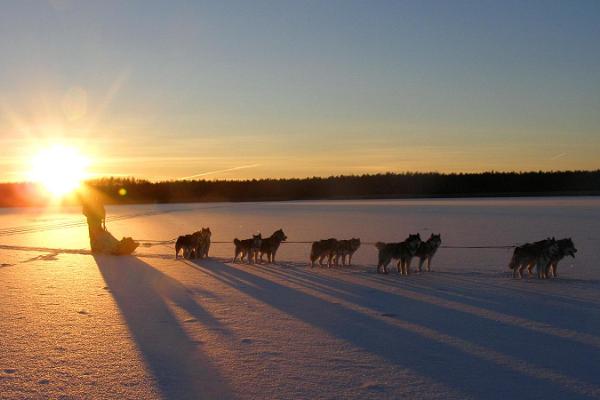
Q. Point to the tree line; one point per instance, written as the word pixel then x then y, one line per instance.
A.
pixel 389 185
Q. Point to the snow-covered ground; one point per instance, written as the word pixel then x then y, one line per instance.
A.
pixel 147 326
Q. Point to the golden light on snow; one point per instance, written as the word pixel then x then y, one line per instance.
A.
pixel 59 169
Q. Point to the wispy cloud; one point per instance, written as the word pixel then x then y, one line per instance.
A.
pixel 220 171
pixel 560 155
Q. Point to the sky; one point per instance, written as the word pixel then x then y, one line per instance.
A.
pixel 251 89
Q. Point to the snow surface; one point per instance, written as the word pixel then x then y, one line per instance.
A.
pixel 147 326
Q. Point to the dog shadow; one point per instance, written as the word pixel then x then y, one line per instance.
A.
pixel 409 341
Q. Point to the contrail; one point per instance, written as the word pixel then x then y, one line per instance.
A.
pixel 218 171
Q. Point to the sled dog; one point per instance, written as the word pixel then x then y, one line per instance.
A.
pixel 403 252
pixel 321 249
pixel 248 248
pixel 538 254
pixel 427 250
pixel 187 244
pixel 202 242
pixel 270 245
pixel 346 248
pixel 565 248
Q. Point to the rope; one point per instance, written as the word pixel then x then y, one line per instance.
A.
pixel 479 247
pixel 150 243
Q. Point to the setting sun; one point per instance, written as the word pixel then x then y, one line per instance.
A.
pixel 59 169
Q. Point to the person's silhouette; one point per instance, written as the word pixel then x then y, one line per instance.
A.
pixel 101 241
pixel 95 213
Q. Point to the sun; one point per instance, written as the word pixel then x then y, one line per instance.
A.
pixel 59 169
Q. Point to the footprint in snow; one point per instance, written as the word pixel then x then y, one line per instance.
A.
pixel 9 370
pixel 246 341
pixel 44 381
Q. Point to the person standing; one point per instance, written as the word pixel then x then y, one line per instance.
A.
pixel 95 213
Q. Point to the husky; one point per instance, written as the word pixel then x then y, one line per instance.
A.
pixel 270 245
pixel 202 242
pixel 427 250
pixel 186 243
pixel 565 248
pixel 545 259
pixel 321 249
pixel 346 248
pixel 533 254
pixel 248 248
pixel 403 252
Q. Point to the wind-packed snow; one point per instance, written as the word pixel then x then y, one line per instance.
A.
pixel 73 325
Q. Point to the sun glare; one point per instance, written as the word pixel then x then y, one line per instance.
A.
pixel 59 169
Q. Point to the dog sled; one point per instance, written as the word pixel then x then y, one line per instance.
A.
pixel 103 242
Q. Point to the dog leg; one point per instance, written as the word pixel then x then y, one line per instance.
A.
pixel 540 270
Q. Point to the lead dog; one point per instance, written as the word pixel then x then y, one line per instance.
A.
pixel 403 252
pixel 566 247
pixel 427 250
pixel 538 254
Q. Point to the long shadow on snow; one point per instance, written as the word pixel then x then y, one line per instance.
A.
pixel 180 368
pixel 535 303
pixel 511 298
pixel 536 306
pixel 544 350
pixel 435 359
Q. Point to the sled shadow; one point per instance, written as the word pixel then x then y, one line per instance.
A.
pixel 179 367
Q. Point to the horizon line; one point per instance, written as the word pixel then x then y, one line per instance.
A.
pixel 186 179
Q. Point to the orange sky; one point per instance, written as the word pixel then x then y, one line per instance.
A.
pixel 239 91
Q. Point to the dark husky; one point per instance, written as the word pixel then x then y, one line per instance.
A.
pixel 403 251
pixel 321 249
pixel 346 248
pixel 202 242
pixel 248 248
pixel 270 245
pixel 186 243
pixel 427 250
pixel 538 254
pixel 566 247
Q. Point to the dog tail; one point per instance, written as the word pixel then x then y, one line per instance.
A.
pixel 380 245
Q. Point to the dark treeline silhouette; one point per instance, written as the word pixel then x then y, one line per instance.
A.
pixel 388 185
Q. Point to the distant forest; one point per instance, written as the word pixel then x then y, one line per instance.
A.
pixel 390 185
